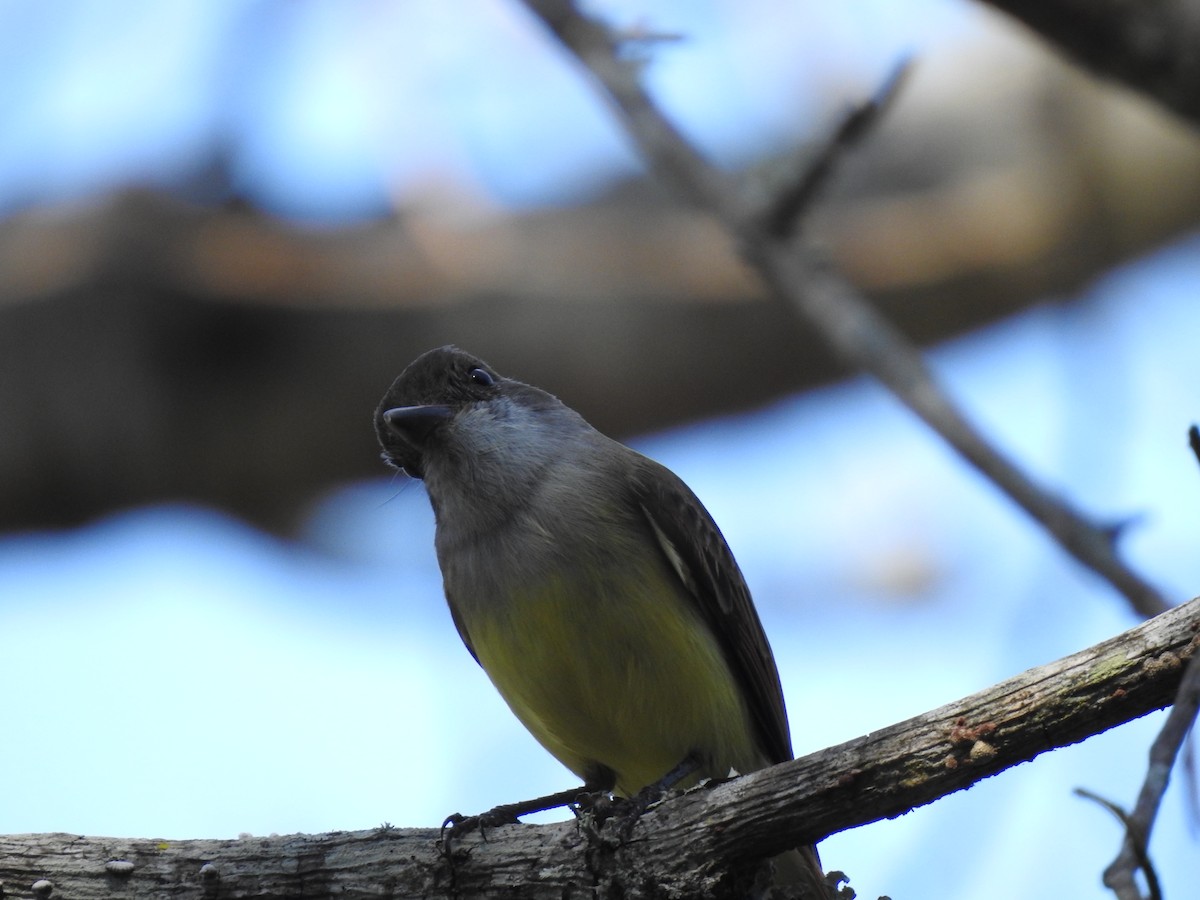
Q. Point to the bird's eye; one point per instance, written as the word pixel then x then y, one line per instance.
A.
pixel 481 377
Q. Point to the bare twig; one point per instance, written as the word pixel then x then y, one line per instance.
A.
pixel 848 323
pixel 1120 874
pixel 1136 841
pixel 791 200
pixel 1134 855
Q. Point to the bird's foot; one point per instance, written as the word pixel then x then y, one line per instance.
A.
pixel 595 811
pixel 629 810
pixel 456 825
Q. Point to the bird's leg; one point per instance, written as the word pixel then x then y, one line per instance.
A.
pixel 652 793
pixel 589 794
pixel 508 813
pixel 630 810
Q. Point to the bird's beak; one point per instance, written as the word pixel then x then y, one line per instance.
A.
pixel 413 423
pixel 407 432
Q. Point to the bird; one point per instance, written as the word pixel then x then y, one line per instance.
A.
pixel 591 585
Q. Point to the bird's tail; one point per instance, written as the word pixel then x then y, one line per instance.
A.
pixel 798 876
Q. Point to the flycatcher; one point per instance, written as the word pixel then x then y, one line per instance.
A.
pixel 590 584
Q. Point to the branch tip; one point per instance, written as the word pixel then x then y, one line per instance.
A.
pixel 782 213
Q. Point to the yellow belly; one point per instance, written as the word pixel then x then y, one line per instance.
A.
pixel 629 679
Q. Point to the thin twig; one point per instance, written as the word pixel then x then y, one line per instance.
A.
pixel 1181 718
pixel 791 200
pixel 1119 876
pixel 1136 840
pixel 1180 721
pixel 848 323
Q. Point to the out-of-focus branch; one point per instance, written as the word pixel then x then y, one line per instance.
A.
pixel 1153 46
pixel 136 318
pixel 825 300
pixel 793 197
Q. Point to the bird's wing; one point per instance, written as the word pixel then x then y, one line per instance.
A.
pixel 462 628
pixel 697 551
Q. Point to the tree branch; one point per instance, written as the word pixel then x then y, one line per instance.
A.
pixel 792 199
pixel 1134 855
pixel 1119 875
pixel 1138 844
pixel 831 305
pixel 705 842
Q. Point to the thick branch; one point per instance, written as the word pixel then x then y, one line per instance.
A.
pixel 138 318
pixel 700 843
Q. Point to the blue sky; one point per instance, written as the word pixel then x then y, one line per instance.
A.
pixel 332 111
pixel 174 673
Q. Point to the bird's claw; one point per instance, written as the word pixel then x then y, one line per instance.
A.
pixel 598 809
pixel 458 824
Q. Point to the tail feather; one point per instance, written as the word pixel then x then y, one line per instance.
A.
pixel 798 876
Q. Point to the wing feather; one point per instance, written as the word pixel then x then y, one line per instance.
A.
pixel 698 553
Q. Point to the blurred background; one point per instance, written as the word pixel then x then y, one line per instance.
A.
pixel 228 224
